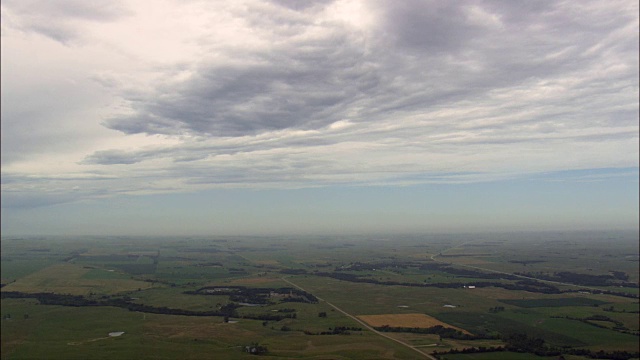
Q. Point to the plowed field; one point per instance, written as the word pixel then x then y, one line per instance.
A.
pixel 405 320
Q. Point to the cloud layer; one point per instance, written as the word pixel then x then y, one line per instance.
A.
pixel 189 96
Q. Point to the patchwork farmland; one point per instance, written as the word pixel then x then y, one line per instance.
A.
pixel 358 298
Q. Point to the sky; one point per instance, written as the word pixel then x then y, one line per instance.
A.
pixel 286 117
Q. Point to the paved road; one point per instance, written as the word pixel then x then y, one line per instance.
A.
pixel 365 324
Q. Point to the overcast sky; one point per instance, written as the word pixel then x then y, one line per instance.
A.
pixel 284 116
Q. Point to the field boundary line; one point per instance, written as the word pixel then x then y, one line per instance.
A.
pixel 365 324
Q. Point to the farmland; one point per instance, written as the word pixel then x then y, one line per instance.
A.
pixel 321 297
pixel 402 320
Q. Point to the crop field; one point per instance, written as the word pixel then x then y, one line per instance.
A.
pixel 81 333
pixel 404 320
pixel 314 297
pixel 13 269
pixel 475 322
pixel 73 279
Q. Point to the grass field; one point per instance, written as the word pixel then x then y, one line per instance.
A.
pixel 156 272
pixel 478 323
pixel 81 333
pixel 557 302
pixel 12 269
pixel 68 278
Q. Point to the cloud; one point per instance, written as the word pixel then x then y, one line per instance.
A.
pixel 302 5
pixel 287 94
pixel 304 86
pixel 110 157
pixel 29 191
pixel 59 20
pixel 414 57
pixel 425 27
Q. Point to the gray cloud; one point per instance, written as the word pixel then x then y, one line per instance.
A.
pixel 23 191
pixel 112 157
pixel 306 87
pixel 418 55
pixel 430 27
pixel 414 92
pixel 301 5
pixel 57 19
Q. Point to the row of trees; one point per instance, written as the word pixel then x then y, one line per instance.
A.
pixel 121 302
pixel 518 342
pixel 522 285
pixel 226 311
pixel 443 332
pixel 619 325
pixel 469 350
pixel 338 330
pixel 519 285
pixel 466 272
pixel 522 343
pixel 612 309
pixel 606 292
pixel 270 317
pixel 617 279
pixel 256 295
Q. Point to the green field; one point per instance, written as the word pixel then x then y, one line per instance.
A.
pixel 572 301
pixel 182 292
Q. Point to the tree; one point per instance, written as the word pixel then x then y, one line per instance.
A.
pixel 256 349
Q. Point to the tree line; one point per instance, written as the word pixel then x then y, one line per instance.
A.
pixel 256 295
pixel 522 343
pixel 338 330
pixel 520 284
pixel 226 311
pixel 618 278
pixel 523 285
pixel 443 332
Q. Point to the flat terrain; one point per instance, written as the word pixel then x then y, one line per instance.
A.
pixel 315 297
pixel 77 280
pixel 405 320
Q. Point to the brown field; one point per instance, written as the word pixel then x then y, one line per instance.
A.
pixel 67 279
pixel 405 320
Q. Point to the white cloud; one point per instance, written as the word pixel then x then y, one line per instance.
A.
pixel 183 96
